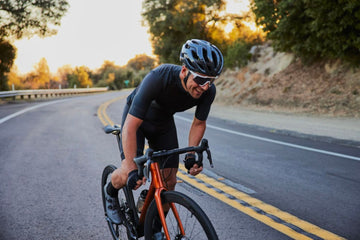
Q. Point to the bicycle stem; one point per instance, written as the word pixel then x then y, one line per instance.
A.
pixel 150 155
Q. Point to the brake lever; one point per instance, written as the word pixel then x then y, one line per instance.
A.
pixel 205 145
pixel 146 170
pixel 209 157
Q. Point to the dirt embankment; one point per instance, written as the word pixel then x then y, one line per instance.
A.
pixel 280 82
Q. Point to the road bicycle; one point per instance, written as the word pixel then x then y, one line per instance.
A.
pixel 184 218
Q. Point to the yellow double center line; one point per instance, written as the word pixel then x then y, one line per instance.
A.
pixel 101 112
pixel 281 221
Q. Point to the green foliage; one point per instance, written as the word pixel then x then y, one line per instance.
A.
pixel 20 18
pixel 312 29
pixel 115 77
pixel 237 54
pixel 241 39
pixel 7 56
pixel 172 22
pixel 141 62
pixel 108 75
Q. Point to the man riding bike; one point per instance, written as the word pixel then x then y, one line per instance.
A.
pixel 149 112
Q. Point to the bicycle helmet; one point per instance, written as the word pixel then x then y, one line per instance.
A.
pixel 202 57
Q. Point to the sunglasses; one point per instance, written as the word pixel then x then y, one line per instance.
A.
pixel 201 80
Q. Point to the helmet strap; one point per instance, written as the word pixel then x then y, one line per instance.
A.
pixel 186 78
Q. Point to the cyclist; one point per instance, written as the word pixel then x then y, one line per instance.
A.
pixel 149 112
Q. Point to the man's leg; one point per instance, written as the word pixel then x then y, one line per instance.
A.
pixel 119 177
pixel 169 176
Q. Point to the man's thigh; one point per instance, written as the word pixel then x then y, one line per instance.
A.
pixel 169 177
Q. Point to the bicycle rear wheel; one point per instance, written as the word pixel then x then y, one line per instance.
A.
pixel 194 220
pixel 121 231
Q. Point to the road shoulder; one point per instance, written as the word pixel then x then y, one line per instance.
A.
pixel 337 128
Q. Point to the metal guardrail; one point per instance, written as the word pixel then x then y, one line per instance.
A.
pixel 49 92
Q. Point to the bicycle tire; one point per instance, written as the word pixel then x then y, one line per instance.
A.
pixel 121 231
pixel 196 223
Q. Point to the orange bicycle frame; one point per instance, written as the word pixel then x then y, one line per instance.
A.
pixel 155 190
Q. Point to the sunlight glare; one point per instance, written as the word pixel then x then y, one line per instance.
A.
pixel 228 28
pixel 90 33
pixel 237 6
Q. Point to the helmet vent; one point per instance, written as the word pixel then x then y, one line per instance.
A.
pixel 205 55
pixel 214 58
pixel 194 54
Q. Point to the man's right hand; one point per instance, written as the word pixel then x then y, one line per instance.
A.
pixel 134 181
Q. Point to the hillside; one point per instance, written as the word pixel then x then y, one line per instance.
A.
pixel 280 82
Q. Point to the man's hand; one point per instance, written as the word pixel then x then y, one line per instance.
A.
pixel 195 170
pixel 140 182
pixel 192 165
pixel 133 181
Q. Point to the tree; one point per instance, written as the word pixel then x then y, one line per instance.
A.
pixel 20 18
pixel 79 77
pixel 141 62
pixel 312 29
pixel 7 56
pixel 101 76
pixel 83 76
pixel 63 74
pixel 14 78
pixel 172 22
pixel 41 76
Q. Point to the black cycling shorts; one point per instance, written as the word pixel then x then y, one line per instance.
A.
pixel 159 135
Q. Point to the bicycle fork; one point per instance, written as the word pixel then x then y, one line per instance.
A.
pixel 156 190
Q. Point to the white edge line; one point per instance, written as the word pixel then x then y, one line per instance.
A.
pixel 4 119
pixel 276 142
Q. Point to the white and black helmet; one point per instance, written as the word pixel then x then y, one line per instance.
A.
pixel 202 57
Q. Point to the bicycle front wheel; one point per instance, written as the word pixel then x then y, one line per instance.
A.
pixel 193 219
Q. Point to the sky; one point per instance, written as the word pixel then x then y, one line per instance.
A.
pixel 91 32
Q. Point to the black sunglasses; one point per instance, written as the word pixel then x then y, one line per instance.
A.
pixel 201 80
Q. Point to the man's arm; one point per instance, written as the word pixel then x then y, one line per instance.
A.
pixel 128 137
pixel 197 131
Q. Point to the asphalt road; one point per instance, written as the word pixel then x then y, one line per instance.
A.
pixel 53 153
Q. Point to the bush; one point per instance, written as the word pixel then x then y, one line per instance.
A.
pixel 237 54
pixel 312 29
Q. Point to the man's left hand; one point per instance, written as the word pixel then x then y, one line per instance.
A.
pixel 195 170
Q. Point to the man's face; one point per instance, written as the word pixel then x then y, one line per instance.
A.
pixel 195 89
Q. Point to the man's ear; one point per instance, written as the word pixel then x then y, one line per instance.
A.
pixel 183 72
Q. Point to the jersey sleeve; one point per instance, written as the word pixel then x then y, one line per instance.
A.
pixel 203 108
pixel 147 91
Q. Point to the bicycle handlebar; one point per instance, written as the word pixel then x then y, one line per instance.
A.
pixel 150 154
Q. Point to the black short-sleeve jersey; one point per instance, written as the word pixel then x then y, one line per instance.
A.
pixel 160 95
